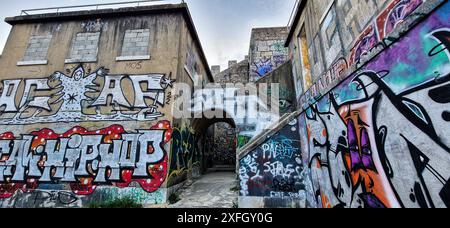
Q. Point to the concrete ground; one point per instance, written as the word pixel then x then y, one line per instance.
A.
pixel 213 190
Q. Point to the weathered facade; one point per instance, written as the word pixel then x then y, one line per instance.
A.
pixel 329 37
pixel 267 51
pixel 86 106
pixel 371 83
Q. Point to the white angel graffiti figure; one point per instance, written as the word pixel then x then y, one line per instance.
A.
pixel 81 97
pixel 73 91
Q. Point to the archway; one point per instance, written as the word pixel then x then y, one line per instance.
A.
pixel 218 142
pixel 217 185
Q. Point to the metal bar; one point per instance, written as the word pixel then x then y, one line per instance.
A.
pixel 90 5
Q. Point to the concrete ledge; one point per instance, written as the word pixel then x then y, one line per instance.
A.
pixel 248 202
pixel 132 58
pixel 32 63
pixel 96 13
pixel 255 202
pixel 80 61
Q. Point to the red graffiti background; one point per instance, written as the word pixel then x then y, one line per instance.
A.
pixel 85 186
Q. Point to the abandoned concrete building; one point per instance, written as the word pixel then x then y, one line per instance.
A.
pixel 87 102
pixel 108 77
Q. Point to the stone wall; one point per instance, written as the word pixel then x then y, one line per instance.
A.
pixel 236 73
pixel 267 51
pixel 225 136
pixel 224 150
pixel 215 70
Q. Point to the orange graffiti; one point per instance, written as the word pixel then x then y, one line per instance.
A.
pixel 325 201
pixel 368 176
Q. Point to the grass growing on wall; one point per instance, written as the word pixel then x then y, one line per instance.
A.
pixel 126 202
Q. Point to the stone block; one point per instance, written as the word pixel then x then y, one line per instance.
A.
pixel 90 46
pixel 136 42
pixel 141 44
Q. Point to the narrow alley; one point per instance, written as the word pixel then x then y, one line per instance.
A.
pixel 213 190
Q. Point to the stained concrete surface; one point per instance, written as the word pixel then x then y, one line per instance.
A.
pixel 213 190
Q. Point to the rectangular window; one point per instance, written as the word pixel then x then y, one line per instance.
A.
pixel 84 48
pixel 304 59
pixel 37 50
pixel 135 45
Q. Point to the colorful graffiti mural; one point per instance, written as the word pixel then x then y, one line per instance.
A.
pixel 263 67
pixel 224 146
pixel 84 159
pixel 242 140
pixel 376 35
pixel 81 97
pixel 380 138
pixel 275 169
pixel 394 14
pixel 47 163
pixel 185 154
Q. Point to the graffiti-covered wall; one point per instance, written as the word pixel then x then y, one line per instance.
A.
pixel 331 37
pixel 267 51
pixel 378 139
pixel 274 174
pixel 185 155
pixel 381 137
pixel 89 118
pixel 60 136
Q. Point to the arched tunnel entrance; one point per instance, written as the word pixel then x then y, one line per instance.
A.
pixel 218 140
pixel 216 187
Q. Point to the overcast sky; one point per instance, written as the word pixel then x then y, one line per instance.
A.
pixel 224 26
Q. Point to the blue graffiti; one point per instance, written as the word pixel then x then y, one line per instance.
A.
pixel 263 67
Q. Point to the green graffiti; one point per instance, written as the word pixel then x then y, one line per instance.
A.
pixel 185 155
pixel 242 141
